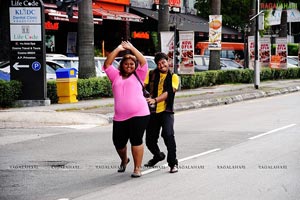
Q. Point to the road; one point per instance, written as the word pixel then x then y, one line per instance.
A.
pixel 248 150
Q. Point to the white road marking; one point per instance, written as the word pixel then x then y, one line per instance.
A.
pixel 78 127
pixel 180 160
pixel 272 131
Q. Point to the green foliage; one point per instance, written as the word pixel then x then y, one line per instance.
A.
pixel 52 91
pixel 209 78
pixel 9 92
pixel 94 87
pixel 293 49
pixel 86 88
pixel 98 52
pixel 101 87
pixel 234 13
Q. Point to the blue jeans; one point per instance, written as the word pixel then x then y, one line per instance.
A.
pixel 162 121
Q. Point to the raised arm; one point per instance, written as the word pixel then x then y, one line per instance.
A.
pixel 139 56
pixel 111 57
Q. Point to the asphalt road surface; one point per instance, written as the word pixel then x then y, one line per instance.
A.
pixel 248 150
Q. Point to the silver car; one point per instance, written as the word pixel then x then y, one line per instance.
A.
pixel 201 63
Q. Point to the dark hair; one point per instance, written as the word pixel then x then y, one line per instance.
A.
pixel 159 56
pixel 126 57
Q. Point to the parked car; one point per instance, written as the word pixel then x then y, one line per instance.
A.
pixel 4 75
pixel 293 61
pixel 73 62
pixel 51 67
pixel 201 63
pixel 51 55
pixel 150 61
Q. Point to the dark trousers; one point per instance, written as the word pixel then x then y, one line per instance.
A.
pixel 165 122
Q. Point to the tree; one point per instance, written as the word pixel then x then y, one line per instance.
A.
pixel 214 56
pixel 234 12
pixel 86 40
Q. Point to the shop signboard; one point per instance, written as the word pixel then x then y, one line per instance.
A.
pixel 28 47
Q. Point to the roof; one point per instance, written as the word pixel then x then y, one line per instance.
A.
pixel 185 22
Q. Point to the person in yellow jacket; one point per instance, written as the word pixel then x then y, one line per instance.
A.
pixel 162 85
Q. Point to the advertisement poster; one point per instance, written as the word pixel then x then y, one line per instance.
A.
pixel 281 50
pixel 71 43
pixel 186 46
pixel 265 52
pixel 50 42
pixel 167 45
pixel 251 51
pixel 215 32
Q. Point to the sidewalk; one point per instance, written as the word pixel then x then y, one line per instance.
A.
pixel 100 111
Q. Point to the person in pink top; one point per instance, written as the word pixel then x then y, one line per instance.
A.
pixel 131 112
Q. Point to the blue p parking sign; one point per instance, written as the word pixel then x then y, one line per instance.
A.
pixel 36 66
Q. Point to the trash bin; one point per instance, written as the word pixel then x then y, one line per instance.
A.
pixel 66 84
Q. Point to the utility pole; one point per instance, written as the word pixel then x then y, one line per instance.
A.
pixel 257 46
pixel 163 18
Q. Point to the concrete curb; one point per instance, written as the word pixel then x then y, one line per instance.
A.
pixel 51 117
pixel 233 99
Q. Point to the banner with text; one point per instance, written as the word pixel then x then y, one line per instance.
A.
pixel 167 45
pixel 251 51
pixel 281 50
pixel 186 46
pixel 215 32
pixel 265 52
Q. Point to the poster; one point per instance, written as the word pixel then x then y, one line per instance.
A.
pixel 251 51
pixel 215 32
pixel 71 43
pixel 50 42
pixel 265 52
pixel 186 46
pixel 167 46
pixel 281 50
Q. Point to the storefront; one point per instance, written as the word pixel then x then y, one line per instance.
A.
pixel 112 24
pixel 182 22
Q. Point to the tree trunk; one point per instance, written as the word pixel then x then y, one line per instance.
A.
pixel 86 40
pixel 214 57
pixel 283 24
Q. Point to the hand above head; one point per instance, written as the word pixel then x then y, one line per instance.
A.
pixel 126 45
pixel 121 47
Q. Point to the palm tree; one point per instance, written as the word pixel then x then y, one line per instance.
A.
pixel 283 22
pixel 214 57
pixel 86 40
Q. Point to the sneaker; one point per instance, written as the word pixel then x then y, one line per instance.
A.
pixel 155 160
pixel 174 169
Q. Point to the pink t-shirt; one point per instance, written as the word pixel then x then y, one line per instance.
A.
pixel 128 95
